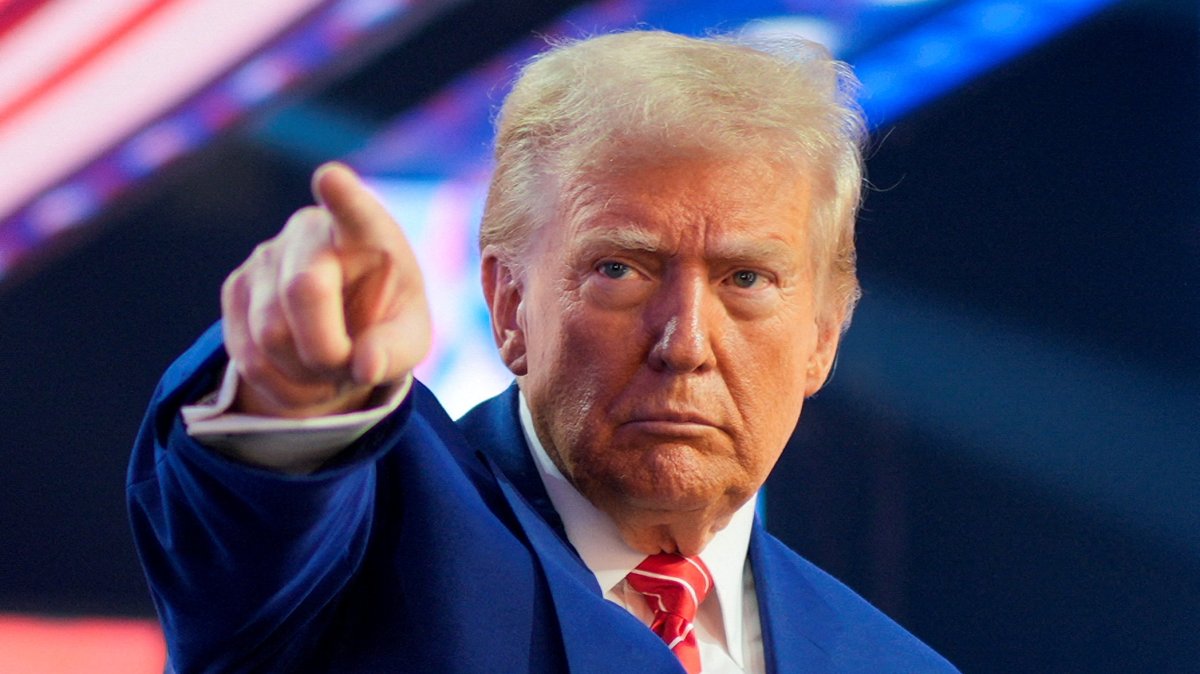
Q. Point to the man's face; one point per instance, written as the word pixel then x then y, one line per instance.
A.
pixel 669 334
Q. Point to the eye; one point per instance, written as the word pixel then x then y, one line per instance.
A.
pixel 614 270
pixel 745 278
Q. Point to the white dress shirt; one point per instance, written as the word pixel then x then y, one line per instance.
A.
pixel 728 630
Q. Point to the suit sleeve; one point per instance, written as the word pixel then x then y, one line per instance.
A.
pixel 242 561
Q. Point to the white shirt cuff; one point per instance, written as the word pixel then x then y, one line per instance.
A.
pixel 293 446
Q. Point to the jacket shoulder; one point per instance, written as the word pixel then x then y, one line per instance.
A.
pixel 804 607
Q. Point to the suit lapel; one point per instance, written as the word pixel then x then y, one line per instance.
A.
pixel 495 431
pixel 796 621
pixel 598 636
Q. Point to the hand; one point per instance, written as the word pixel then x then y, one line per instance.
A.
pixel 329 309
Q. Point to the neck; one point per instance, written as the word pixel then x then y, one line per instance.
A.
pixel 686 532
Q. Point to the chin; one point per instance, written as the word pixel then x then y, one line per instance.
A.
pixel 670 494
pixel 653 476
pixel 670 501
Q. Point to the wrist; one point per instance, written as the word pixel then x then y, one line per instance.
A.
pixel 301 402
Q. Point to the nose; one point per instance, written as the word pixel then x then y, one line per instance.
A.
pixel 682 317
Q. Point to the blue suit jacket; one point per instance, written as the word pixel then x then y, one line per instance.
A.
pixel 428 546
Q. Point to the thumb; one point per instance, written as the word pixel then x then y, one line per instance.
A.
pixel 389 350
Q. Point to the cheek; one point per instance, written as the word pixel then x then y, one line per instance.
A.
pixel 571 362
pixel 768 387
pixel 544 313
pixel 590 358
pixel 769 421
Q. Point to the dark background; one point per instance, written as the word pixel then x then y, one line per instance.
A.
pixel 1006 460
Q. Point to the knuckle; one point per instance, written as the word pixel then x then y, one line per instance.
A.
pixel 309 286
pixel 261 252
pixel 389 260
pixel 234 285
pixel 264 256
pixel 389 267
pixel 306 222
pixel 306 215
pixel 253 367
pixel 271 332
pixel 229 291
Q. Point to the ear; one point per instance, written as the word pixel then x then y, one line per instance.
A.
pixel 822 359
pixel 503 293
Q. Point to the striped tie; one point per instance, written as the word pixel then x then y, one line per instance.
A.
pixel 674 587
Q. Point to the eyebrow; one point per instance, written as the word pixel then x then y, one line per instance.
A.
pixel 750 251
pixel 754 249
pixel 627 238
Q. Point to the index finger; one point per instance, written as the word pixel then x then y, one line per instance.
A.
pixel 359 220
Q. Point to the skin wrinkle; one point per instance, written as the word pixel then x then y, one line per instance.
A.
pixel 665 392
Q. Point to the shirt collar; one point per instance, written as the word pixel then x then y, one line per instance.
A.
pixel 597 540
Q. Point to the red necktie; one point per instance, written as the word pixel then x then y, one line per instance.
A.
pixel 674 587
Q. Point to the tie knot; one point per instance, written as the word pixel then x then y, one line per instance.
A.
pixel 674 587
pixel 672 583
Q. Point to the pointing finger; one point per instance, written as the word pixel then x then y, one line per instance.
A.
pixel 359 219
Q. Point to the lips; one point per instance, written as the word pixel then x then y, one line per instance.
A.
pixel 672 417
pixel 671 422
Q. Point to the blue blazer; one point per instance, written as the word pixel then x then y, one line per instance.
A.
pixel 428 546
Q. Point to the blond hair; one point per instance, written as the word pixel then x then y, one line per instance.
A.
pixel 655 93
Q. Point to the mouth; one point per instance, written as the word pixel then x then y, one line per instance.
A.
pixel 668 423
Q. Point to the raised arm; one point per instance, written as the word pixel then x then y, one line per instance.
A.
pixel 246 564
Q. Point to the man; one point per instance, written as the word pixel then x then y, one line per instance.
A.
pixel 668 259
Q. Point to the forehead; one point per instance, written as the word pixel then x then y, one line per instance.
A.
pixel 684 199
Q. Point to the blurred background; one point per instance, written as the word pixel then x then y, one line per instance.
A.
pixel 1006 460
